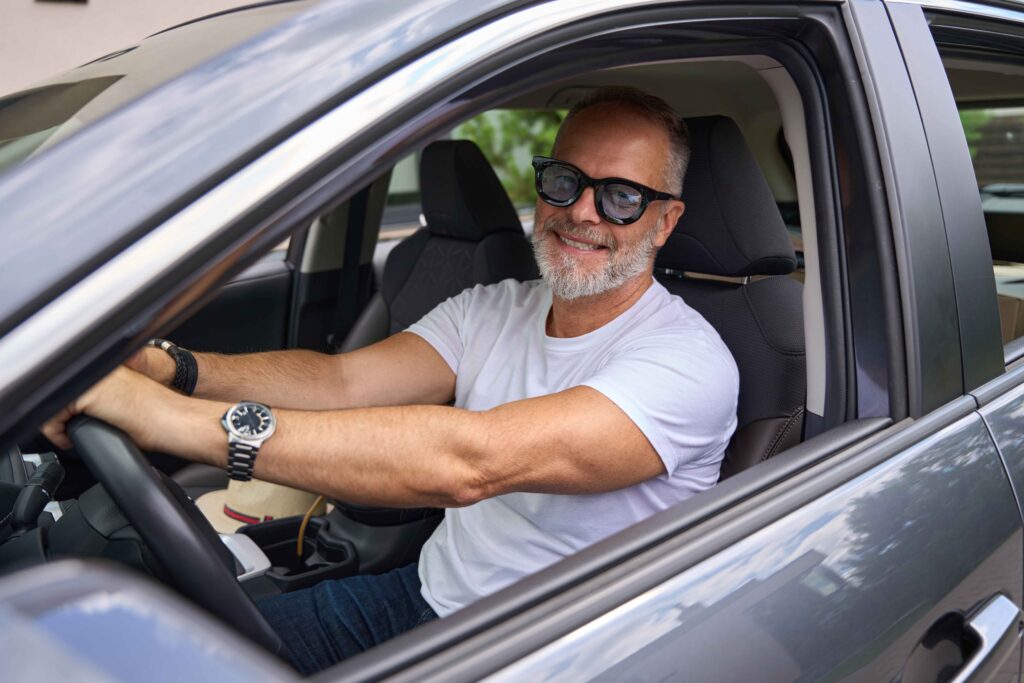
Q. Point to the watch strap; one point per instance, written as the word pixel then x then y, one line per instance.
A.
pixel 186 370
pixel 241 460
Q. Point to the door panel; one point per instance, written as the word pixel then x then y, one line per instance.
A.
pixel 842 589
pixel 1005 417
pixel 250 313
pixel 1004 414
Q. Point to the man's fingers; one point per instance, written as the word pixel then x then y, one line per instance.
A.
pixel 54 429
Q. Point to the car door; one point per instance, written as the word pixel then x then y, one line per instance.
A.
pixel 887 548
pixel 888 544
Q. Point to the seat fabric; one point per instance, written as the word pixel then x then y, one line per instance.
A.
pixel 473 236
pixel 732 228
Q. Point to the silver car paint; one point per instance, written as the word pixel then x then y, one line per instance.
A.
pixel 841 589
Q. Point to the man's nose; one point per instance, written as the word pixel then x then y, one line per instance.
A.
pixel 583 210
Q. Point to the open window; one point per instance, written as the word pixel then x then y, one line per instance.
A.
pixel 773 90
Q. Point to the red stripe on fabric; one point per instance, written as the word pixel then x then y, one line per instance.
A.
pixel 240 517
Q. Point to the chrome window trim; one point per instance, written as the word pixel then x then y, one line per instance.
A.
pixel 972 8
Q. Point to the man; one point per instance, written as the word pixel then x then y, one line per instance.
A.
pixel 583 403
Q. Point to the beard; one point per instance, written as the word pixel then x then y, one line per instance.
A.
pixel 567 276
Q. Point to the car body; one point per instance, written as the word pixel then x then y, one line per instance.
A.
pixel 887 545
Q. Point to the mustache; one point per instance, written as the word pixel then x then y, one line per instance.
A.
pixel 570 229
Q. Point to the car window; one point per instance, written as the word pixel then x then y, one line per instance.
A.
pixel 508 138
pixel 995 137
pixel 34 119
pixel 28 119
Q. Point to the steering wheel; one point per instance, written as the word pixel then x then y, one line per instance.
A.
pixel 186 545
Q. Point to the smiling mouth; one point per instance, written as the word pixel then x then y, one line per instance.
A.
pixel 576 244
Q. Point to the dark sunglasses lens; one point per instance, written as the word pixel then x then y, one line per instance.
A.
pixel 559 183
pixel 621 202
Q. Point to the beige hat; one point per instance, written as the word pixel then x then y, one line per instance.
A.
pixel 249 502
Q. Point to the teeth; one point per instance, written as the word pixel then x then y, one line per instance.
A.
pixel 579 245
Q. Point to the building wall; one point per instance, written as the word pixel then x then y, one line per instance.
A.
pixel 42 39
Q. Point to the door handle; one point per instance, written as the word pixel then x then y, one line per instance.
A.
pixel 990 625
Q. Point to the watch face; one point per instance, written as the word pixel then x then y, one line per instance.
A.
pixel 250 420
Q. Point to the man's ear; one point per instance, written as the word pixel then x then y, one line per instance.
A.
pixel 673 212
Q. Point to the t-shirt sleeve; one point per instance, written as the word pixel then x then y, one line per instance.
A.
pixel 443 328
pixel 681 396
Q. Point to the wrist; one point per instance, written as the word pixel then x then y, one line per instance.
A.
pixel 187 427
pixel 160 366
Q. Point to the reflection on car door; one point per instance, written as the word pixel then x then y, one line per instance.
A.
pixel 844 588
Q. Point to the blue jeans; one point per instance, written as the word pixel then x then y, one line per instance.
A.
pixel 334 620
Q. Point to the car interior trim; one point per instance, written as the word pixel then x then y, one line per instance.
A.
pixel 794 124
pixel 254 562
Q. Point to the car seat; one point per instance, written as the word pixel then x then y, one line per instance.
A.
pixel 732 228
pixel 472 236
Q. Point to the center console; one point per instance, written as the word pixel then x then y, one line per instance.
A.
pixel 348 540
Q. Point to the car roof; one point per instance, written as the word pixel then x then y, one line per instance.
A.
pixel 73 207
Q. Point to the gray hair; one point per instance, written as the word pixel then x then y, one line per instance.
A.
pixel 657 111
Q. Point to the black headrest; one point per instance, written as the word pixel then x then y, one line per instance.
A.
pixel 732 225
pixel 462 197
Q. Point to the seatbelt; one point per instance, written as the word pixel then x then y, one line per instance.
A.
pixel 362 224
pixel 347 304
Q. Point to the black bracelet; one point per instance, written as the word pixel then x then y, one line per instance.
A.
pixel 186 370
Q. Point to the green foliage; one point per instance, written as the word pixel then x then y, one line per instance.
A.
pixel 510 138
pixel 972 120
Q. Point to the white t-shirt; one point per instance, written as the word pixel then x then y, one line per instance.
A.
pixel 659 361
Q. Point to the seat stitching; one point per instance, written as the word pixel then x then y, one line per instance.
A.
pixel 781 435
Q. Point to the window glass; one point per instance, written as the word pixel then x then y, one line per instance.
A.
pixel 990 99
pixel 28 119
pixel 33 120
pixel 508 138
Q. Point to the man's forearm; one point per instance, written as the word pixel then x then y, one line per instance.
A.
pixel 295 378
pixel 400 370
pixel 406 456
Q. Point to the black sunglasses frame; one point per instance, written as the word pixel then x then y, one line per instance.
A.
pixel 647 194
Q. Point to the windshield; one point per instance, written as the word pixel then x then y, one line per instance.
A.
pixel 33 120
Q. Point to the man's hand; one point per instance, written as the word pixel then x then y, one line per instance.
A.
pixel 123 398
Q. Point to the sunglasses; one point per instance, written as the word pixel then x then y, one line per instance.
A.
pixel 617 200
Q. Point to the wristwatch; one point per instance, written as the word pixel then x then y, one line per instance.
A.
pixel 186 371
pixel 248 425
